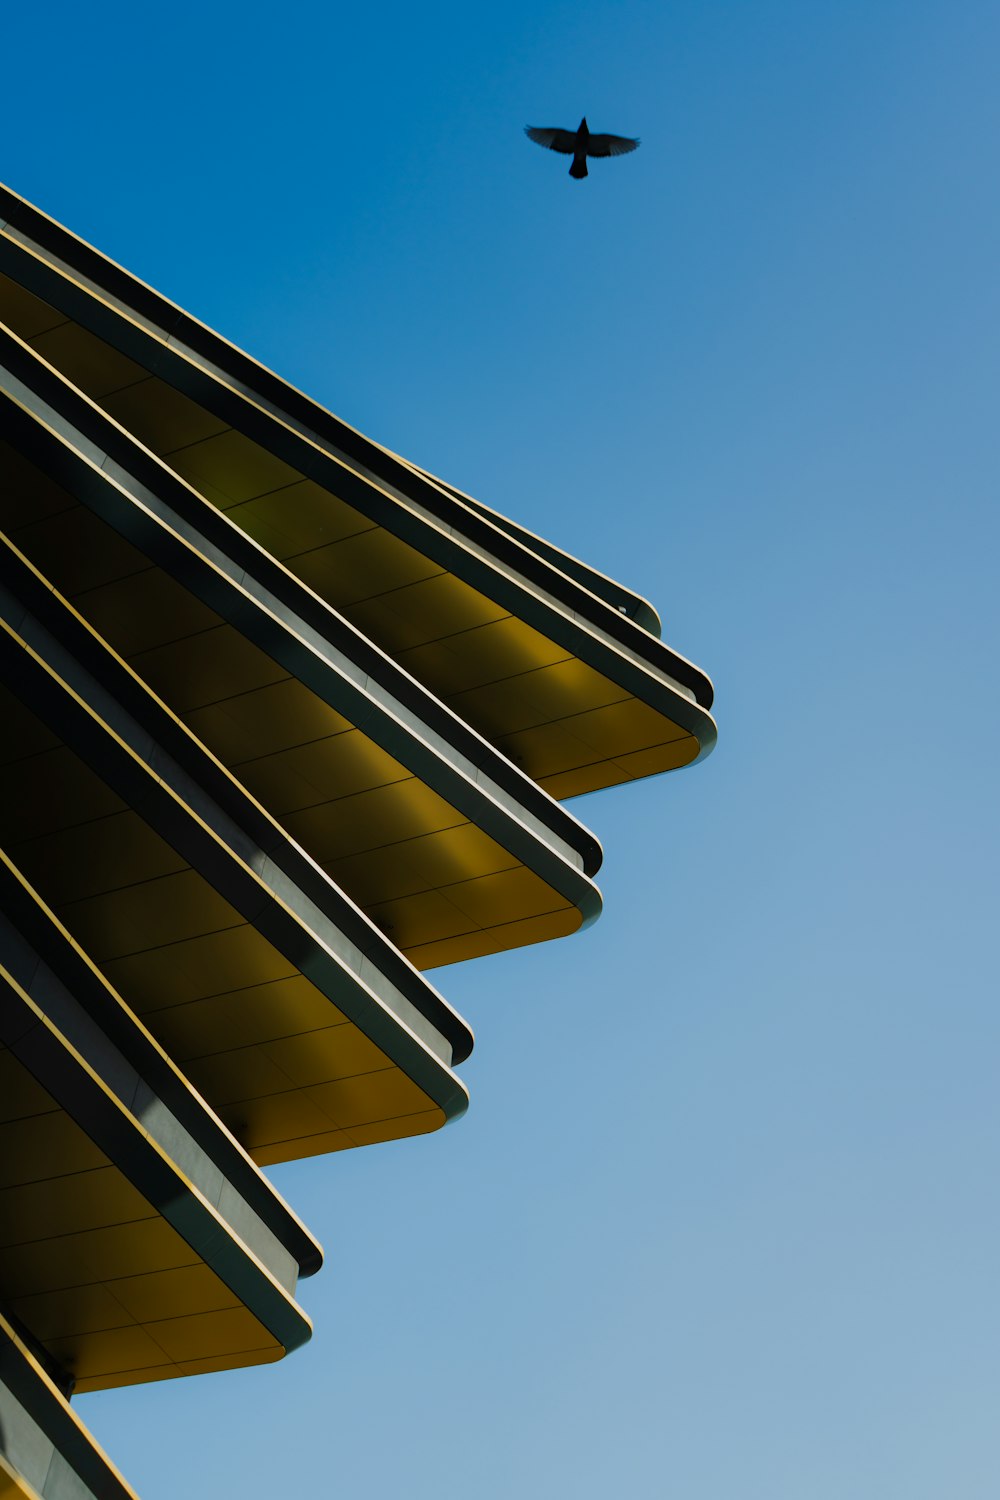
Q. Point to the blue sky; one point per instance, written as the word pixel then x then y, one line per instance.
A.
pixel 722 1219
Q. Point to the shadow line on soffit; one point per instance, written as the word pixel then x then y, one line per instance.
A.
pixel 104 492
pixel 456 513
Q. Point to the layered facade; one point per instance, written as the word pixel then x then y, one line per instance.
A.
pixel 286 723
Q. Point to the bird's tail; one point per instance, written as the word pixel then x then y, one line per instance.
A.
pixel 579 167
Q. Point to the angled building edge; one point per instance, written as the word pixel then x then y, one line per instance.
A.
pixel 572 689
pixel 284 721
pixel 46 1453
pixel 207 617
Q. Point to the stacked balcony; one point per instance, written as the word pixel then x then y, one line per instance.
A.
pixel 285 722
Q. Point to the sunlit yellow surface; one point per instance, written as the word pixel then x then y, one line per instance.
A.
pixel 90 1266
pixel 565 724
pixel 441 887
pixel 286 1071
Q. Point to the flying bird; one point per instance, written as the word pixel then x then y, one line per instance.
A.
pixel 579 143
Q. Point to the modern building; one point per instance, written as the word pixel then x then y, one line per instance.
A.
pixel 285 722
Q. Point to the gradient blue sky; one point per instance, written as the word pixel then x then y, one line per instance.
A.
pixel 723 1220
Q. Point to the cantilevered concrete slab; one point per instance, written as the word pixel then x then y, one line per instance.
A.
pixel 550 670
pixel 283 720
pixel 447 846
pixel 125 1249
pixel 290 1011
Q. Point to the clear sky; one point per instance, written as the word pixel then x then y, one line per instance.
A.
pixel 723 1220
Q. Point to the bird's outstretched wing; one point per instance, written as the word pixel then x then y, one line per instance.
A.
pixel 553 137
pixel 611 145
